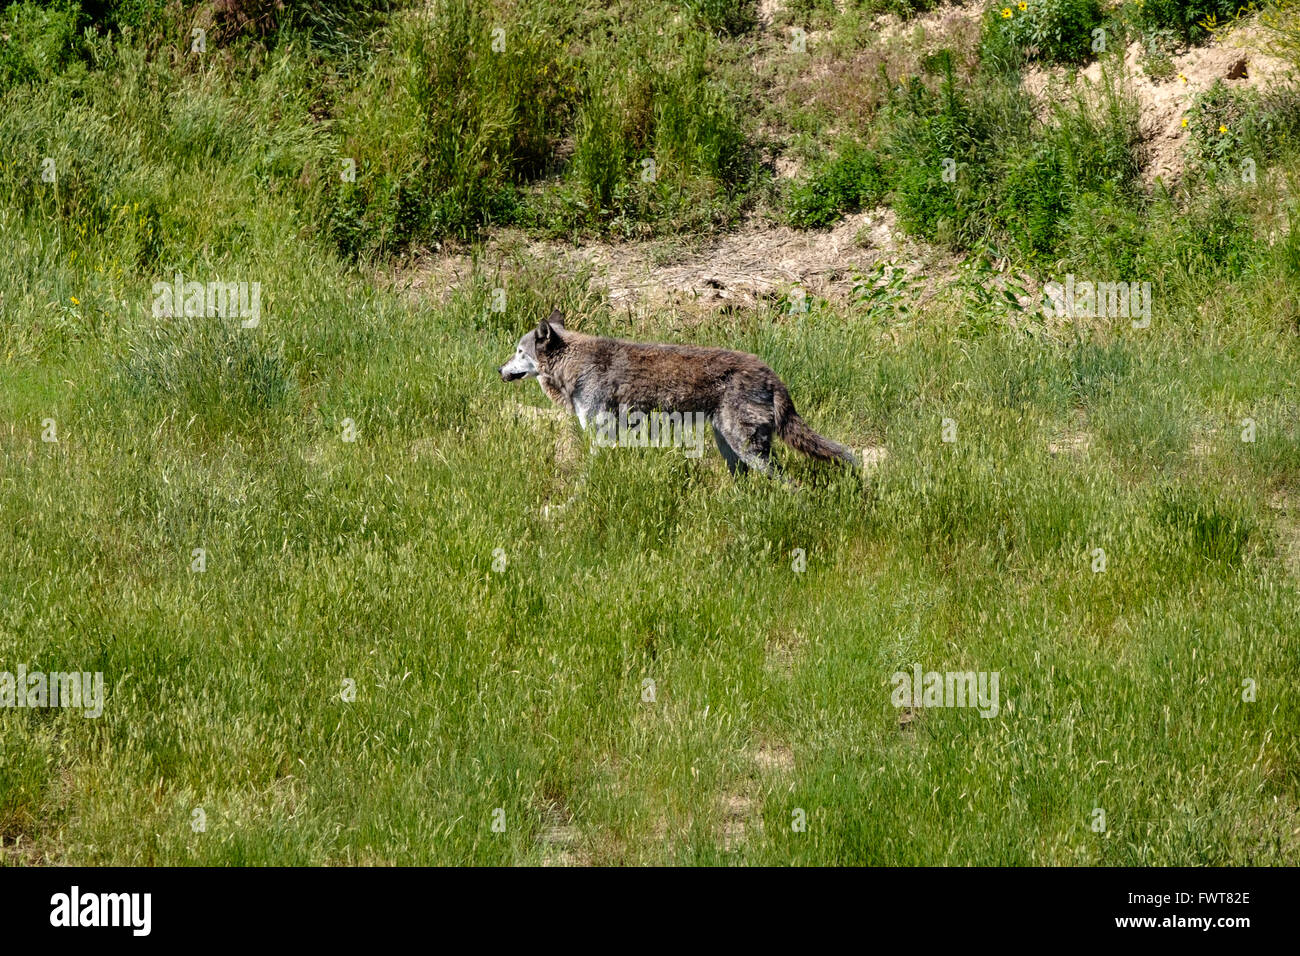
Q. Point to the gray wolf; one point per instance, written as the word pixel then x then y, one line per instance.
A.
pixel 601 379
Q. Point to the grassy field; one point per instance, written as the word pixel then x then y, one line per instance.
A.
pixel 400 645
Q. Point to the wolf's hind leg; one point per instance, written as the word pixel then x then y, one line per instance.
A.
pixel 752 444
pixel 760 461
pixel 734 463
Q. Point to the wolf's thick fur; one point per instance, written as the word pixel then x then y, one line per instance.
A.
pixel 744 399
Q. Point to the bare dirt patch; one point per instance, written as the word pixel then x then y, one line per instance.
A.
pixel 873 456
pixel 738 817
pixel 774 758
pixel 759 262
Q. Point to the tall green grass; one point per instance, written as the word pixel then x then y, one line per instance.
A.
pixel 498 597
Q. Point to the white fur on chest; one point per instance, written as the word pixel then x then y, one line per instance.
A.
pixel 581 405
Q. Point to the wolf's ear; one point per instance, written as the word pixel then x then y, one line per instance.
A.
pixel 544 335
pixel 556 319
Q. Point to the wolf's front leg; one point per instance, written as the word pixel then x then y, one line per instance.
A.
pixel 602 428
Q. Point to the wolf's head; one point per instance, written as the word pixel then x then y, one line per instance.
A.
pixel 536 342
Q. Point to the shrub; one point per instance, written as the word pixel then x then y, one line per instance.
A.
pixel 1011 177
pixel 1232 129
pixel 852 179
pixel 1035 199
pixel 1158 47
pixel 725 17
pixel 697 127
pixel 1103 232
pixel 942 146
pixel 115 14
pixel 39 41
pixel 1089 147
pixel 902 8
pixel 1210 240
pixel 1051 31
pixel 1186 18
pixel 601 162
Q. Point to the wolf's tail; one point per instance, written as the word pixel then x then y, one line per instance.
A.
pixel 794 431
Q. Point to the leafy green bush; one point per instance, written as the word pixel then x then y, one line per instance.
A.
pixel 1089 147
pixel 601 159
pixel 1104 231
pixel 1050 31
pixel 1036 199
pixel 1158 47
pixel 974 163
pixel 852 179
pixel 696 125
pixel 1234 132
pixel 1187 247
pixel 489 124
pixel 726 17
pixel 1210 239
pixel 1187 18
pixel 942 145
pixel 115 14
pixel 886 293
pixel 39 41
pixel 903 8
